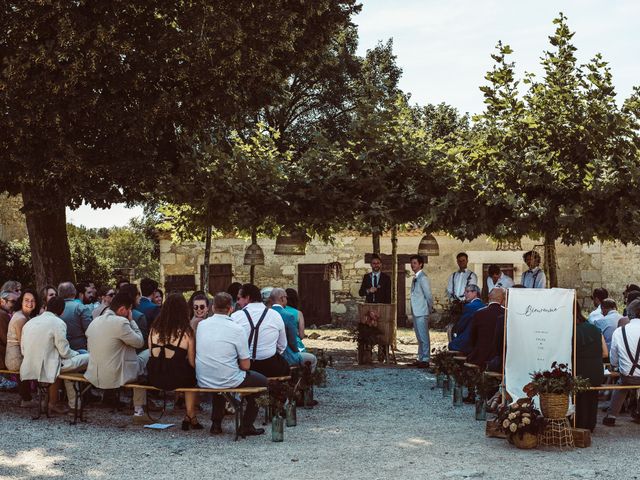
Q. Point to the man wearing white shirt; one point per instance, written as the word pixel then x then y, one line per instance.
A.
pixel 534 277
pixel 223 361
pixel 460 279
pixel 625 354
pixel 421 305
pixel 599 294
pixel 497 278
pixel 609 321
pixel 267 338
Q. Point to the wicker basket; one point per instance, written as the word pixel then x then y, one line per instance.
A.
pixel 554 406
pixel 527 441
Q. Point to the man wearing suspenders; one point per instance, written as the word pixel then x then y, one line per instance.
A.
pixel 625 354
pixel 265 330
pixel 534 277
pixel 460 279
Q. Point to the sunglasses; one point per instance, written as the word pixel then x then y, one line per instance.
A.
pixel 199 307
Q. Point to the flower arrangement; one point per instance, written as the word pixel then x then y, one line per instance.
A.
pixel 276 398
pixel 366 331
pixel 558 380
pixel 441 362
pixel 320 373
pixel 520 418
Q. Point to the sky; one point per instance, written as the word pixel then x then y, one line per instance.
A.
pixel 444 48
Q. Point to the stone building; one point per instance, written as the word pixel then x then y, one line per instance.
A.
pixel 12 222
pixel 582 267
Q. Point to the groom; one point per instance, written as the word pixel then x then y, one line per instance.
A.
pixel 421 305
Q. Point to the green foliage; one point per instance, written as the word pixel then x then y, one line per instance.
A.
pixel 15 262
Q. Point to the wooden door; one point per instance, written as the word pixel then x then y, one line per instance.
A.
pixel 507 269
pixel 314 293
pixel 220 277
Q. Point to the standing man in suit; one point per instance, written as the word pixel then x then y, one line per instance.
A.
pixel 421 305
pixel 376 286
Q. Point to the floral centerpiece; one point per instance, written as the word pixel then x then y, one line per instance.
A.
pixel 554 387
pixel 366 334
pixel 521 422
pixel 441 362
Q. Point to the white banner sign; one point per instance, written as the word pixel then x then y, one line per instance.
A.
pixel 539 332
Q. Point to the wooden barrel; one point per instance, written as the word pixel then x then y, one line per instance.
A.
pixel 386 320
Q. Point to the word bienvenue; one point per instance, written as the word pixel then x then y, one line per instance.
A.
pixel 531 310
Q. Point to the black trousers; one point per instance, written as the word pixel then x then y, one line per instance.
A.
pixel 275 366
pixel 253 379
pixel 587 410
pixel 24 389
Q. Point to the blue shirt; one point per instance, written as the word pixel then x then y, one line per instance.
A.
pixel 149 309
pixel 462 329
pixel 291 353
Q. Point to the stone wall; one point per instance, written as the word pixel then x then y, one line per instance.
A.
pixel 12 222
pixel 582 267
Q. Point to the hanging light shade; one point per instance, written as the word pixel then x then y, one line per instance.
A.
pixel 428 246
pixel 254 255
pixel 291 244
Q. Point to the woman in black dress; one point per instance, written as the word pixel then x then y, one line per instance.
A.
pixel 590 350
pixel 173 354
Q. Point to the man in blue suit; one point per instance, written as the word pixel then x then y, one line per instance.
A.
pixel 461 333
pixel 146 305
pixel 421 306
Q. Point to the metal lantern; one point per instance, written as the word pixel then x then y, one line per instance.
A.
pixel 428 246
pixel 254 255
pixel 291 244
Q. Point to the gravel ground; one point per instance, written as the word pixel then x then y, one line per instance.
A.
pixel 372 422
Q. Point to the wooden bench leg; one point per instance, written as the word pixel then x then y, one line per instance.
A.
pixel 237 406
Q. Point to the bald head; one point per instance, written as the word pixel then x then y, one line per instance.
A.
pixel 278 296
pixel 497 295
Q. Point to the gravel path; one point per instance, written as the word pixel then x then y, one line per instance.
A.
pixel 382 422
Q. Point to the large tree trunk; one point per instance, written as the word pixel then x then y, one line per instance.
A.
pixel 252 268
pixel 375 237
pixel 207 260
pixel 550 259
pixel 48 239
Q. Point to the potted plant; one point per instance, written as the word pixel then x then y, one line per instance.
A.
pixel 521 423
pixel 553 387
pixel 443 365
pixel 484 386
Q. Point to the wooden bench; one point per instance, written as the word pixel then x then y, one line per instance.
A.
pixel 230 395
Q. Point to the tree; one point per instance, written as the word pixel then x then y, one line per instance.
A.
pixel 556 163
pixel 104 99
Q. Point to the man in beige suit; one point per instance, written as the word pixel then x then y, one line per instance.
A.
pixel 47 353
pixel 112 339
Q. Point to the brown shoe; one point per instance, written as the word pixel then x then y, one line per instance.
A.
pixel 58 409
pixel 141 419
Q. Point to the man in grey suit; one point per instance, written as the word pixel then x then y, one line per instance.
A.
pixel 421 305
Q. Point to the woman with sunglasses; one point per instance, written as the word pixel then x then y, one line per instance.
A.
pixel 200 306
pixel 26 308
pixel 105 295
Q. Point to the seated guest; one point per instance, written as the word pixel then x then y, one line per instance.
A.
pixel 46 352
pixel 172 354
pixel 233 290
pixel 27 307
pixel 113 339
pixel 461 332
pixel 149 309
pixel 158 297
pixel 76 315
pixel 631 297
pixel 86 293
pixel 628 298
pixel 497 278
pixel 140 318
pixel 609 321
pixel 200 306
pixel 223 361
pixel 292 353
pixel 8 301
pixel 12 286
pixel 265 332
pixel 105 295
pixel 599 294
pixel 590 350
pixel 46 293
pixel 624 354
pixel 293 307
pixel 483 329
